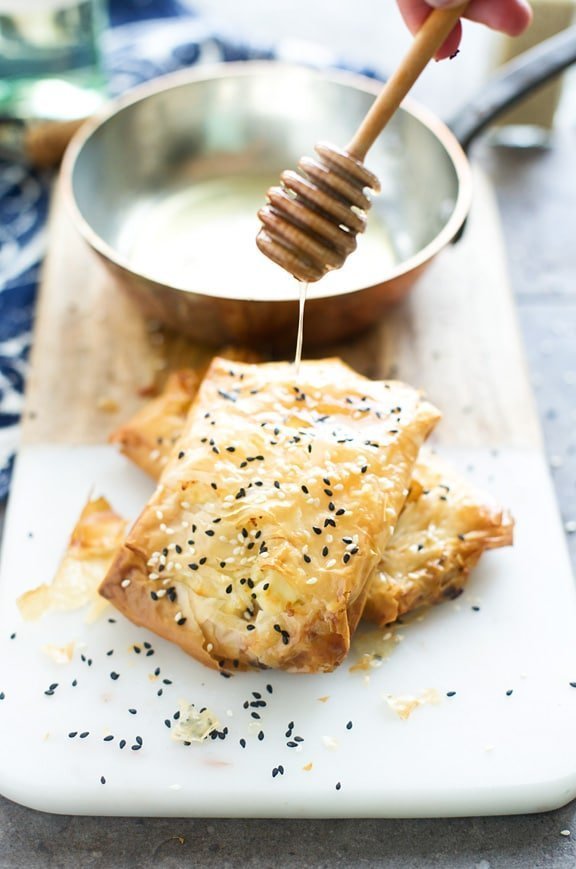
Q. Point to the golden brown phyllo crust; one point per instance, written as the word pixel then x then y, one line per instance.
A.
pixel 444 527
pixel 272 515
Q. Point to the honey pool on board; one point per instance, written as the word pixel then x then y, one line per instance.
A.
pixel 203 236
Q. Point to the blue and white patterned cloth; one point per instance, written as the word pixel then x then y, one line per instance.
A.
pixel 147 38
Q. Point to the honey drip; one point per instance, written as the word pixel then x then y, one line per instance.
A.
pixel 300 338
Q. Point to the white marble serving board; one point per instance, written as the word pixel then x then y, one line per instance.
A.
pixel 480 751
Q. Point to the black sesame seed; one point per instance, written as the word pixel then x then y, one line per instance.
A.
pixel 181 454
pixel 168 723
pixel 203 560
pixel 338 785
pixel 243 742
pixel 316 530
pixel 260 735
pixel 509 692
pixel 72 734
pixel 346 557
pixel 450 693
pixel 476 609
pixel 209 532
pixel 266 586
pixel 135 747
pixel 114 676
pixel 229 589
pixel 74 683
pixel 250 627
pixel 307 559
pixel 281 769
pixel 349 726
pixel 181 621
pixel 325 551
pixel 122 743
pixel 305 490
pixel 340 512
pixel 255 715
pixel 84 734
pixel 110 652
pixel 108 738
pixel 572 684
pixel 102 780
pixel 193 566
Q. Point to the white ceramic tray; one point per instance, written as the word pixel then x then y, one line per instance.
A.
pixel 482 750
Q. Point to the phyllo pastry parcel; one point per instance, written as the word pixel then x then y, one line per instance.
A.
pixel 444 527
pixel 272 514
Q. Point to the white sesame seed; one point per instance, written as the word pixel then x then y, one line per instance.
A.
pixel 178 616
pixel 153 576
pixel 159 514
pixel 185 505
pixel 154 454
pixel 161 592
pixel 312 581
pixel 209 647
pixel 331 563
pixel 329 538
pixel 184 524
pixel 570 526
pixel 125 583
pixel 564 832
pixel 162 525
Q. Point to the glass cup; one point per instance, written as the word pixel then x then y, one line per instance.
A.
pixel 50 59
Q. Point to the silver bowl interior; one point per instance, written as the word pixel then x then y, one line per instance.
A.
pixel 251 121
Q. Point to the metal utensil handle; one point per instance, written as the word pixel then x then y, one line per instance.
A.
pixel 516 80
pixel 425 44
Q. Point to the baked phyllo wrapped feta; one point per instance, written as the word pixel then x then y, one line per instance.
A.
pixel 148 438
pixel 444 527
pixel 272 515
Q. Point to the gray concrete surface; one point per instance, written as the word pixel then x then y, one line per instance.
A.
pixel 537 195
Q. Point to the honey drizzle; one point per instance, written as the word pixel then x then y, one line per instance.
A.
pixel 300 338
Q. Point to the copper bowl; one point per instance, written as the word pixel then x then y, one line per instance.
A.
pixel 172 139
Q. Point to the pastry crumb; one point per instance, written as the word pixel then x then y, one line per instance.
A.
pixel 194 726
pixel 59 654
pixel 107 404
pixel 405 704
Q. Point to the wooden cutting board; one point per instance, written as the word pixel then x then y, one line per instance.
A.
pixel 456 337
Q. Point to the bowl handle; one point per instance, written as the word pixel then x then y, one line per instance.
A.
pixel 516 80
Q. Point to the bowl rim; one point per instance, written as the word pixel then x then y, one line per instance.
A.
pixel 234 69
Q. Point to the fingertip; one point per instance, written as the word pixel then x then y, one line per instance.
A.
pixel 451 45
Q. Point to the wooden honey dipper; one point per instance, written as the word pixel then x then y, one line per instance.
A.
pixel 310 223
